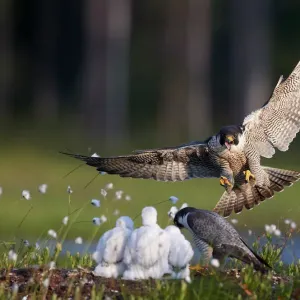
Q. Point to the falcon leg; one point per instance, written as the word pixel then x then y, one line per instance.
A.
pixel 224 181
pixel 248 175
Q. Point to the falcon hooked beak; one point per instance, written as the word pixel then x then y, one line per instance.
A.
pixel 229 140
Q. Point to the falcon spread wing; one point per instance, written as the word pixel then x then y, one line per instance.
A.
pixel 165 164
pixel 276 124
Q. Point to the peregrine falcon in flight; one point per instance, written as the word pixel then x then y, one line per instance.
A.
pixel 233 154
pixel 217 238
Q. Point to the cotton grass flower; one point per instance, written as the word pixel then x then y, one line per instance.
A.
pixel 69 190
pixel 109 186
pixel 95 155
pixel 26 194
pixel 46 283
pixel 128 198
pixel 103 192
pixel 172 212
pixel 43 188
pixel 97 221
pixel 52 233
pixel 95 202
pixel 287 221
pixel 103 219
pixel 52 265
pixel 277 232
pixel 116 212
pixel 184 205
pixel 249 232
pixel 119 194
pixel 12 255
pixel 173 199
pixel 78 240
pixel 215 263
pixel 65 220
pixel 234 221
pixel 293 225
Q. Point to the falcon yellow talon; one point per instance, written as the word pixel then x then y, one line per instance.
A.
pixel 248 175
pixel 225 182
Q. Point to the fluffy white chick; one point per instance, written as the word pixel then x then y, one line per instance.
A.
pixel 110 249
pixel 146 253
pixel 181 253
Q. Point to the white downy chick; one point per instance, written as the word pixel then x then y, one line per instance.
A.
pixel 180 255
pixel 146 253
pixel 110 249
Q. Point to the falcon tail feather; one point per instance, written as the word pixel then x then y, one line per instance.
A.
pixel 258 262
pixel 250 195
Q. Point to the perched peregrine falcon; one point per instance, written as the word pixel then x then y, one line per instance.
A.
pixel 217 238
pixel 233 154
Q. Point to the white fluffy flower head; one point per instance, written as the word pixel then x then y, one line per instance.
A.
pixel 65 220
pixel 43 188
pixel 215 263
pixel 52 233
pixel 96 202
pixel 172 212
pixel 173 199
pixel 78 240
pixel 26 194
pixel 12 255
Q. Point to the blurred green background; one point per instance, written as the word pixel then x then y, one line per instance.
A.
pixel 114 76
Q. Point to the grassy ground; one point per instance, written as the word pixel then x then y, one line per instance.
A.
pixel 30 220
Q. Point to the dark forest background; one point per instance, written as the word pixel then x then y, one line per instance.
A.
pixel 121 73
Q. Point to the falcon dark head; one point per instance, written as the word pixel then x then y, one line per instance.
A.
pixel 230 135
pixel 180 216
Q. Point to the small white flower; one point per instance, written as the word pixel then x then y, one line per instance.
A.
pixel 26 243
pixel 46 283
pixel 116 212
pixel 109 186
pixel 78 240
pixel 184 205
pixel 273 227
pixel 234 221
pixel 172 212
pixel 119 194
pixel 1 190
pixel 95 202
pixel 26 195
pixel 15 288
pixel 293 225
pixel 12 255
pixel 103 192
pixel 277 232
pixel 25 297
pixel 65 220
pixel 287 221
pixel 173 199
pixel 52 233
pixel 95 155
pixel 43 188
pixel 128 198
pixel 215 263
pixel 69 190
pixel 97 221
pixel 268 228
pixel 188 279
pixel 52 265
pixel 103 219
pixel 250 232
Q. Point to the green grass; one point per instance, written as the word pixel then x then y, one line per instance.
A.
pixel 26 168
